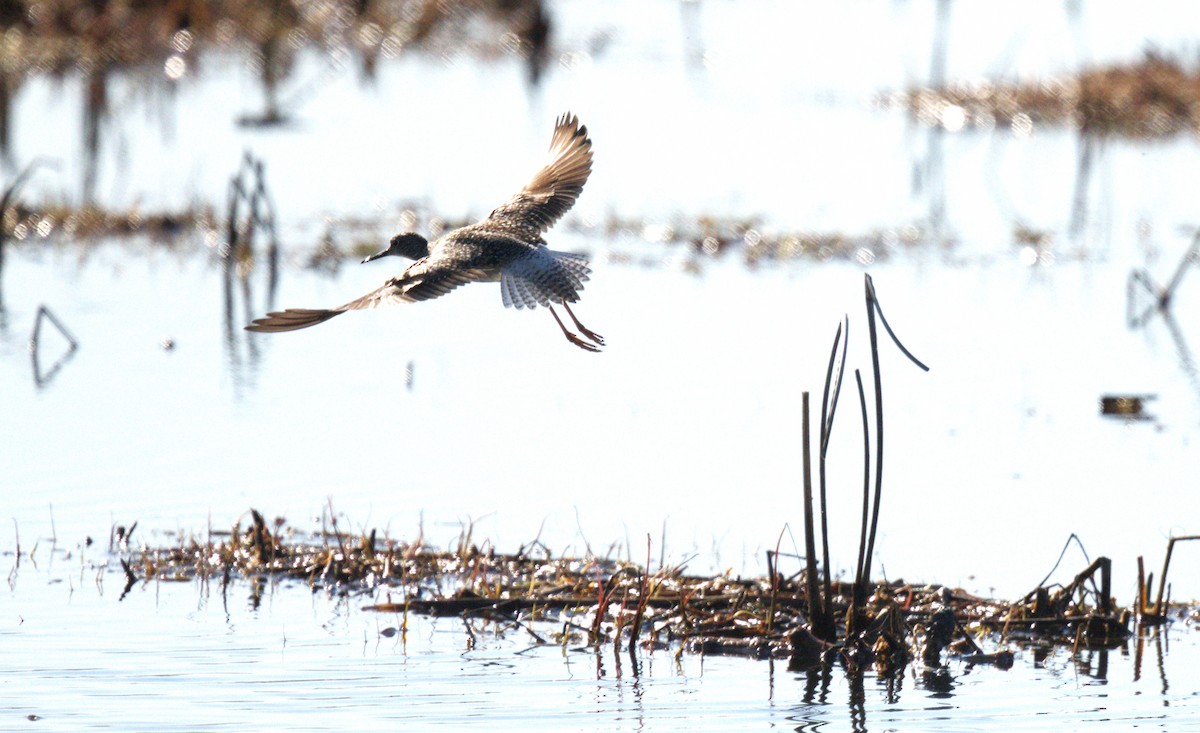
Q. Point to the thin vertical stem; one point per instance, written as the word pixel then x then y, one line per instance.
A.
pixel 873 337
pixel 810 548
pixel 859 593
pixel 828 411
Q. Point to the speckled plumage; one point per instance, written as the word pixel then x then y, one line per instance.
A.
pixel 507 247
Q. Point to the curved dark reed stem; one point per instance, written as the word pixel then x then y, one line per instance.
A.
pixel 828 410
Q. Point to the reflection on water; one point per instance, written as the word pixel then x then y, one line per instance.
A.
pixel 42 377
pixel 1144 299
pixel 250 212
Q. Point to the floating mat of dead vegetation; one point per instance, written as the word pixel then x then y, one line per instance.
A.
pixel 595 600
pixel 352 238
pixel 1153 98
pixel 758 243
pixel 60 37
pixel 91 222
pixel 755 241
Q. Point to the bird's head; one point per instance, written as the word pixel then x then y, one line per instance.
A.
pixel 410 245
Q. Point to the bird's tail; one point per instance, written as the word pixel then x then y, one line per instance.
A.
pixel 574 265
pixel 544 277
pixel 291 319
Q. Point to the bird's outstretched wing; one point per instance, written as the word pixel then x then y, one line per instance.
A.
pixel 418 282
pixel 554 189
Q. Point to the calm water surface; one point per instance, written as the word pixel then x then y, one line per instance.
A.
pixel 179 656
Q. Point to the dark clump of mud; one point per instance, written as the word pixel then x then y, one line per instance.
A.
pixel 604 601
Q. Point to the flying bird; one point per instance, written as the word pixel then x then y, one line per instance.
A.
pixel 507 246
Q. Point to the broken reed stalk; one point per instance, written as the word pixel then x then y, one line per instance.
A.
pixel 368 544
pixel 874 340
pixel 1142 592
pixel 873 309
pixel 1162 581
pixel 811 589
pixel 1106 606
pixel 1104 591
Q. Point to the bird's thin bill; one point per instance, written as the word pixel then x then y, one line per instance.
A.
pixel 377 255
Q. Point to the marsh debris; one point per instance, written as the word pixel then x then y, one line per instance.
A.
pixel 593 601
pixel 708 236
pixel 1156 97
pixel 30 223
pixel 1131 407
pixel 161 44
pixel 1153 614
